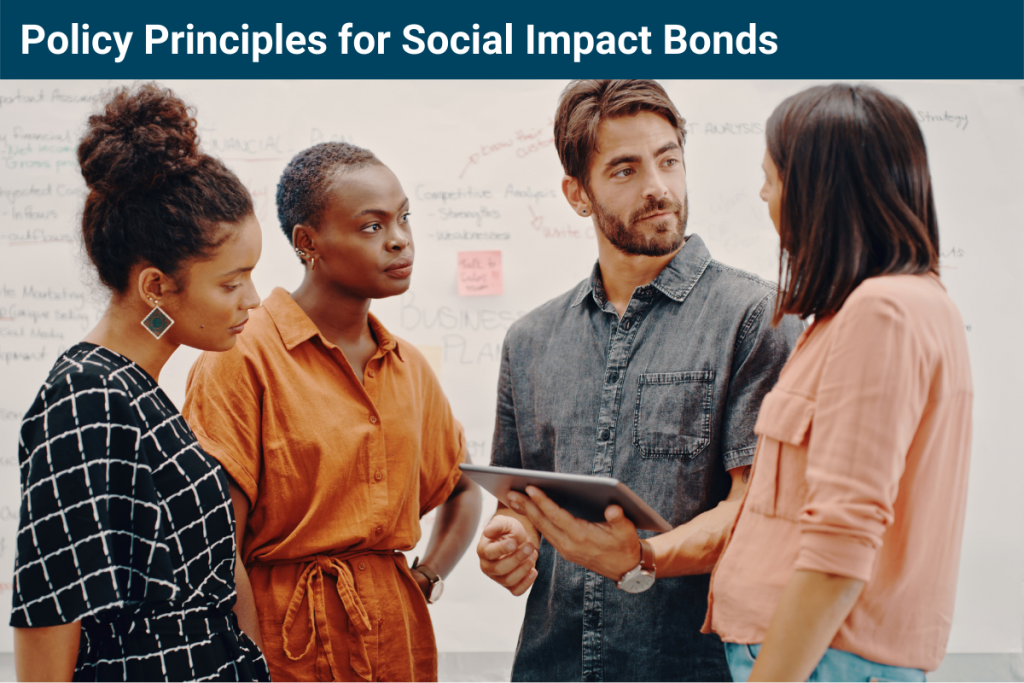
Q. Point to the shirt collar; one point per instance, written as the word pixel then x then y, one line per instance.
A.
pixel 295 327
pixel 675 281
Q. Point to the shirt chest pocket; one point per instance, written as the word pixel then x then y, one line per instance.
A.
pixel 673 414
pixel 778 485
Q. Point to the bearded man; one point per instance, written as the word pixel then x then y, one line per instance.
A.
pixel 650 371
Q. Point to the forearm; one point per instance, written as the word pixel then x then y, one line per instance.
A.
pixel 245 601
pixel 694 547
pixel 47 653
pixel 812 608
pixel 245 605
pixel 454 530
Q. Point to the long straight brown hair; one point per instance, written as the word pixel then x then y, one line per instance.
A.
pixel 856 195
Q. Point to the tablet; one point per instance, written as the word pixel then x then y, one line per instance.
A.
pixel 581 495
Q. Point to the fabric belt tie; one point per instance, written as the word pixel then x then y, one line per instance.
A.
pixel 310 587
pixel 201 624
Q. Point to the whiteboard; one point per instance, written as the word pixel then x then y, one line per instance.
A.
pixel 478 164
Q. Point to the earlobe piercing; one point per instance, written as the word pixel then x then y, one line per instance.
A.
pixel 584 212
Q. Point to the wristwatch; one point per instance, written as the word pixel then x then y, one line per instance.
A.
pixel 641 577
pixel 436 582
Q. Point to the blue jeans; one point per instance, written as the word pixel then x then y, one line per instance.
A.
pixel 836 665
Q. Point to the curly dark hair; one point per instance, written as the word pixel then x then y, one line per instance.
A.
pixel 153 198
pixel 305 181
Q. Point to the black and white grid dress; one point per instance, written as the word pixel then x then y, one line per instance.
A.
pixel 127 525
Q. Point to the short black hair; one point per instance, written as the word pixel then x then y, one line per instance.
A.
pixel 302 190
pixel 154 197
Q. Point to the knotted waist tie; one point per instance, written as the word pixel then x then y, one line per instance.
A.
pixel 310 587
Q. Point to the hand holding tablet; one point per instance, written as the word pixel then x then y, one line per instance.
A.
pixel 585 497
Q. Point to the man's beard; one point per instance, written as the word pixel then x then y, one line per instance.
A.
pixel 665 237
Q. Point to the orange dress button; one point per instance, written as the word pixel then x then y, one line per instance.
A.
pixel 378 476
pixel 373 419
pixel 362 566
pixel 369 373
pixel 380 530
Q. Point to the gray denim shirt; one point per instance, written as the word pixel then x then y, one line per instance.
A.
pixel 663 399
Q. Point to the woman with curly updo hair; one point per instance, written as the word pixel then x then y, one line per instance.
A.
pixel 126 551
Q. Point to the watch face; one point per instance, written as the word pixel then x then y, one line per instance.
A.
pixel 435 591
pixel 637 583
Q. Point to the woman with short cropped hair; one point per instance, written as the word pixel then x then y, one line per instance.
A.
pixel 339 438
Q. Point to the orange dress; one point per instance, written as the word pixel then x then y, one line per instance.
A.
pixel 338 473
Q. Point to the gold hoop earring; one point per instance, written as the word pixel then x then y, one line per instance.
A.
pixel 312 263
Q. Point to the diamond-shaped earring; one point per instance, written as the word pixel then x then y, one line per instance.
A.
pixel 157 322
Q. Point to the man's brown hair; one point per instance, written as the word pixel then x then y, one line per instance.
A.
pixel 856 195
pixel 584 104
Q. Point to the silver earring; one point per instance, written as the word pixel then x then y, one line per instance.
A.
pixel 300 252
pixel 157 322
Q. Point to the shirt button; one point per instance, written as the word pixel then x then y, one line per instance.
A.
pixel 362 566
pixel 379 530
pixel 378 476
pixel 613 378
pixel 373 419
pixel 625 325
pixel 369 373
pixel 605 435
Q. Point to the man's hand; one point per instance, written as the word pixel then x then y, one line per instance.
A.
pixel 610 548
pixel 506 554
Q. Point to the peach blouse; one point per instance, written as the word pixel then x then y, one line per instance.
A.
pixel 861 471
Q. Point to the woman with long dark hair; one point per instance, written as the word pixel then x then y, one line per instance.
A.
pixel 842 563
pixel 126 549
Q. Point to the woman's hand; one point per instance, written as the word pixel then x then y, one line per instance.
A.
pixel 422 581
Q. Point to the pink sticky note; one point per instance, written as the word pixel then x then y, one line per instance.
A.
pixel 479 273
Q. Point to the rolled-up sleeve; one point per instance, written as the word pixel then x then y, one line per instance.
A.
pixel 444 439
pixel 874 388
pixel 224 407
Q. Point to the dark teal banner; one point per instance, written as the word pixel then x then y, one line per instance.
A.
pixel 871 39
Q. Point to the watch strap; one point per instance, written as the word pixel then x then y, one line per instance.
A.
pixel 646 556
pixel 431 575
